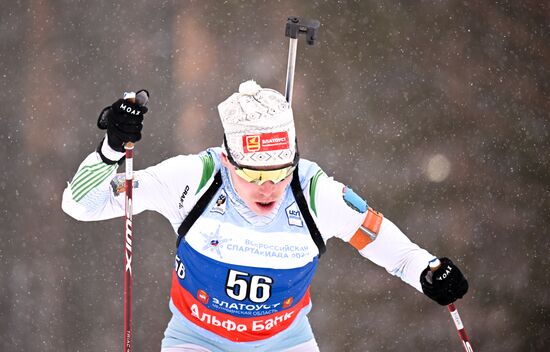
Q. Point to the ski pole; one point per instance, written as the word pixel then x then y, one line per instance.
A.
pixel 141 98
pixel 295 26
pixel 460 328
pixel 434 265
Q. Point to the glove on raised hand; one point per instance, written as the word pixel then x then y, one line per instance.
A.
pixel 444 285
pixel 123 121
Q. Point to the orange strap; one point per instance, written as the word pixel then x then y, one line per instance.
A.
pixel 367 232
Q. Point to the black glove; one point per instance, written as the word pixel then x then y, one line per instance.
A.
pixel 446 284
pixel 123 121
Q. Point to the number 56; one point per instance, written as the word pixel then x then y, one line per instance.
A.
pixel 240 285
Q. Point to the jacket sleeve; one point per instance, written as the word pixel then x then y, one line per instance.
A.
pixel 394 251
pixel 341 216
pixel 96 192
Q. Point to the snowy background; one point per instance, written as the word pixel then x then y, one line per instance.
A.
pixel 437 112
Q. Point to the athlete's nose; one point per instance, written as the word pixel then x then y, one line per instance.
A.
pixel 266 188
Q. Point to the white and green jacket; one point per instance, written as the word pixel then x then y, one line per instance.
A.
pixel 240 280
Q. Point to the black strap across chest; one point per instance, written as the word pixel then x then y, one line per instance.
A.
pixel 304 209
pixel 297 191
pixel 199 207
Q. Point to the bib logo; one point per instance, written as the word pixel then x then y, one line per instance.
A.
pixel 214 242
pixel 294 216
pixel 219 206
pixel 203 296
pixel 288 302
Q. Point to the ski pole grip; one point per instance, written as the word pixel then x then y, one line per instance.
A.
pixel 434 264
pixel 141 98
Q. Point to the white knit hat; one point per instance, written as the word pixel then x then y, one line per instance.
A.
pixel 259 126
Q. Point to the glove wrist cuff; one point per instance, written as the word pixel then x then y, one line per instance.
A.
pixel 108 154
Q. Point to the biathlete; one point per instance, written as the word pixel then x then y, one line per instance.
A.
pixel 251 219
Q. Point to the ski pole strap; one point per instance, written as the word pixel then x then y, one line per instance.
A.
pixel 199 207
pixel 304 209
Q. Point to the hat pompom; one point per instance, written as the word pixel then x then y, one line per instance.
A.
pixel 249 88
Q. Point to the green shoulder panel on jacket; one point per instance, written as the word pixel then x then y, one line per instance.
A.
pixel 312 189
pixel 207 170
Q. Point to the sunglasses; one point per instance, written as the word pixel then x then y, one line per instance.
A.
pixel 259 177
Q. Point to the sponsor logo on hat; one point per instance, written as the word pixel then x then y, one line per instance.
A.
pixel 252 143
pixel 265 142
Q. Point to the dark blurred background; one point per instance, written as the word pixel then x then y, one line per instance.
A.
pixel 435 111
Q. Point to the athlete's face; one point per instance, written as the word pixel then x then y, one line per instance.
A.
pixel 261 199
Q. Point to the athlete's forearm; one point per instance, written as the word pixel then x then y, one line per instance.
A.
pixel 397 254
pixel 89 196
